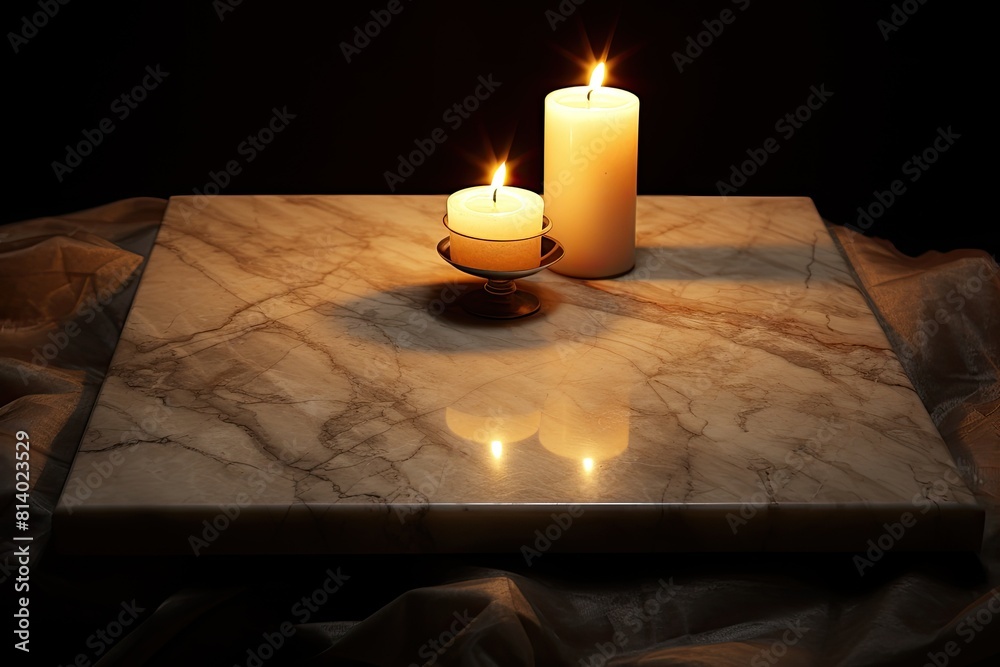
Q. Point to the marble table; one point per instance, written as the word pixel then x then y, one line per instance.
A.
pixel 295 377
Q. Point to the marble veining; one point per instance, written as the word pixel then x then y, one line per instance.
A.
pixel 302 360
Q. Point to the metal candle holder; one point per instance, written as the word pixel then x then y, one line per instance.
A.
pixel 500 298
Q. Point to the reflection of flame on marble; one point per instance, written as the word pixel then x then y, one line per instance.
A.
pixel 584 426
pixel 492 425
pixel 504 411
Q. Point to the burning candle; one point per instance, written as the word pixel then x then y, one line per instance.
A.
pixel 496 227
pixel 591 156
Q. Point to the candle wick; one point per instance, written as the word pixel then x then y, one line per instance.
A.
pixel 589 93
pixel 495 195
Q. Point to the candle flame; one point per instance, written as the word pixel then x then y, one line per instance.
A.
pixel 597 78
pixel 497 448
pixel 499 176
pixel 588 464
pixel 498 180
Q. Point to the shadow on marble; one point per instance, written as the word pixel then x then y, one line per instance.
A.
pixel 432 318
pixel 756 263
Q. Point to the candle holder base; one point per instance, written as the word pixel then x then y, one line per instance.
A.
pixel 500 299
pixel 496 302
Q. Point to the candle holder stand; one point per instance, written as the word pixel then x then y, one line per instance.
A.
pixel 500 298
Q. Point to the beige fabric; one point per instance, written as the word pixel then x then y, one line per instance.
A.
pixel 941 311
pixel 65 287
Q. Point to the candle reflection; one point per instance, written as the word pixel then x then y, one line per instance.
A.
pixel 566 405
pixel 492 424
pixel 582 420
pixel 581 424
pixel 495 416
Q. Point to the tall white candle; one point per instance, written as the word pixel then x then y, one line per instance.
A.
pixel 495 213
pixel 591 156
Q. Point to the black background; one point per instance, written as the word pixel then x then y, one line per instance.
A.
pixel 352 120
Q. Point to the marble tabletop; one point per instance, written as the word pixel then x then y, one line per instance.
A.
pixel 295 376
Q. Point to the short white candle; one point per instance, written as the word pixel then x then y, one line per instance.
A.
pixel 591 158
pixel 495 213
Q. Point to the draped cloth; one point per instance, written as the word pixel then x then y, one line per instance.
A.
pixel 66 284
